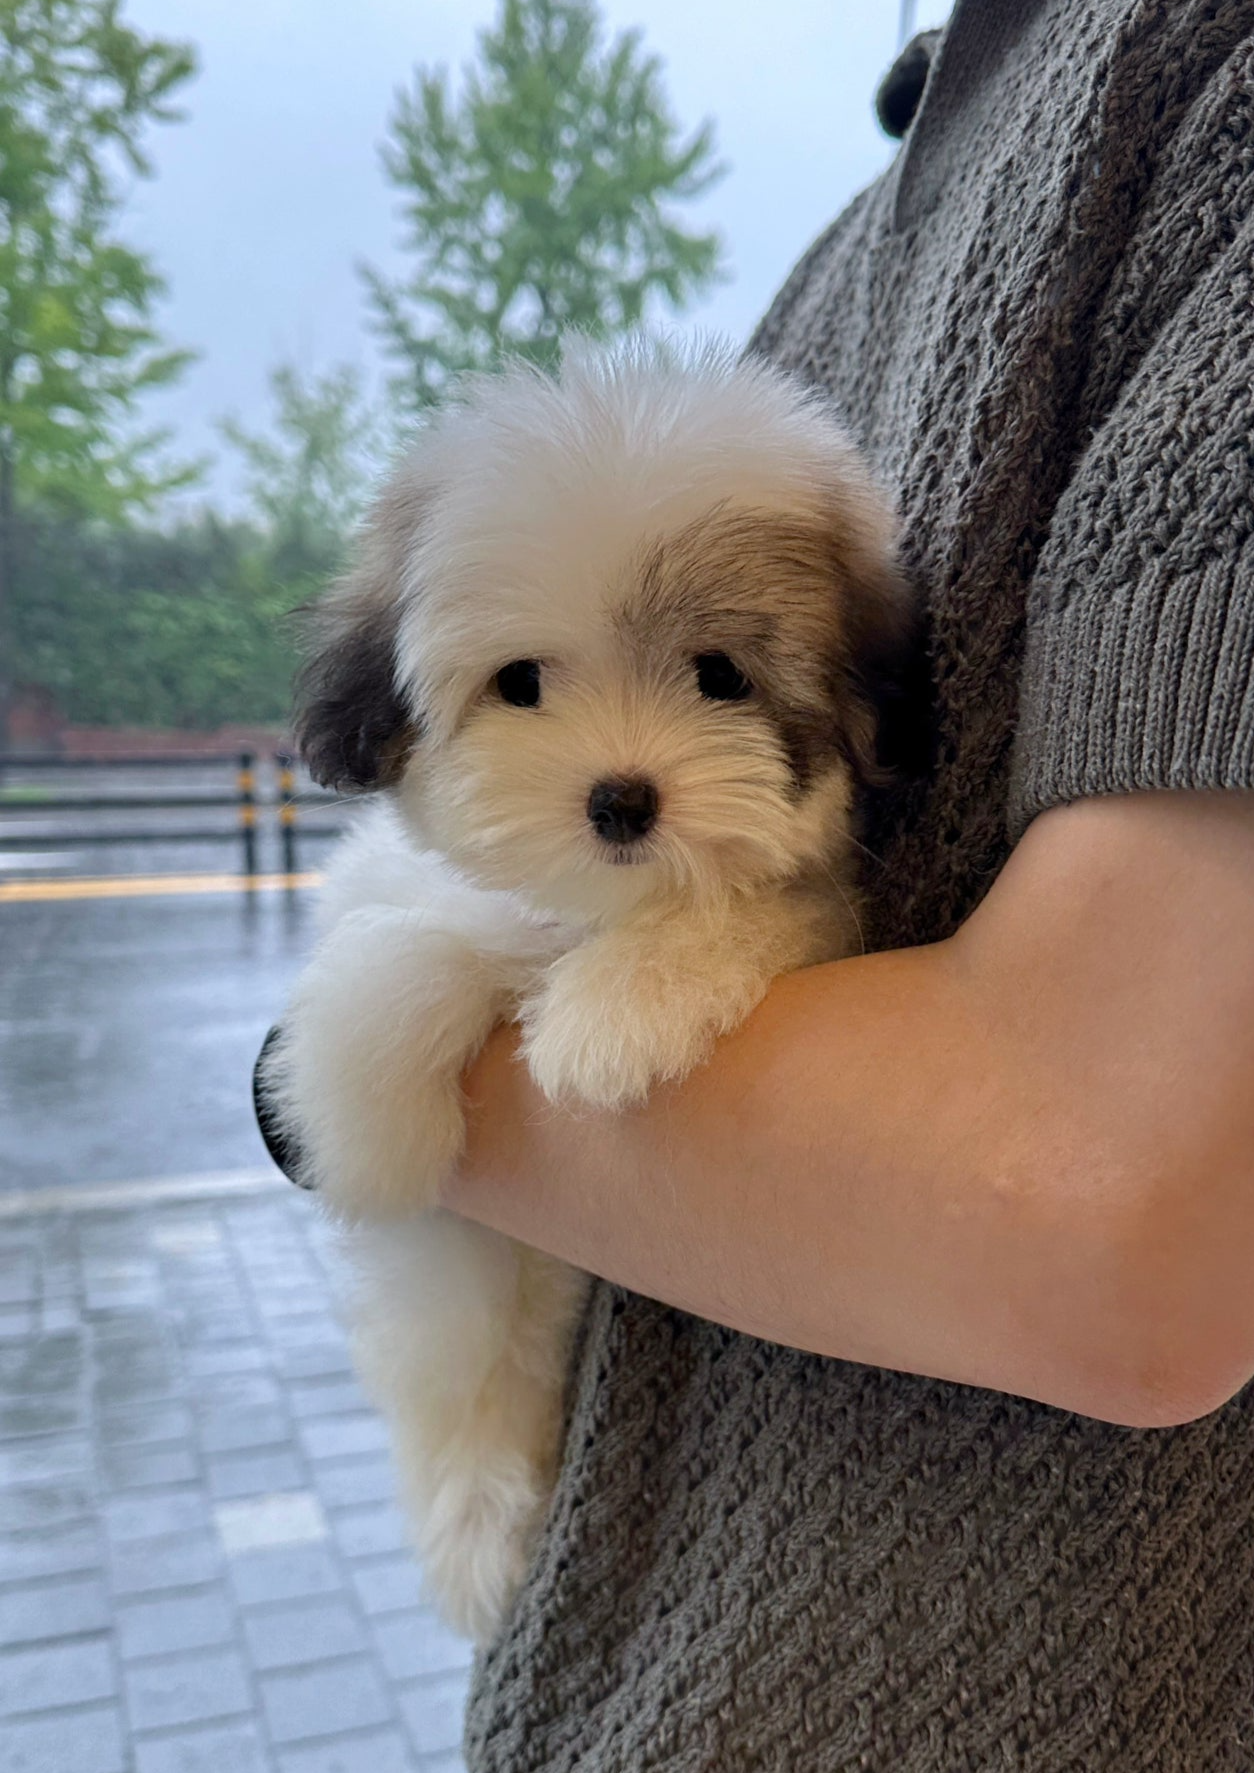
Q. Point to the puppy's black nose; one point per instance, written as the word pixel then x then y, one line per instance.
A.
pixel 623 812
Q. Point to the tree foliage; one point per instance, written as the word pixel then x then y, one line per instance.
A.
pixel 78 90
pixel 78 348
pixel 180 628
pixel 307 480
pixel 541 195
pixel 186 626
pixel 542 192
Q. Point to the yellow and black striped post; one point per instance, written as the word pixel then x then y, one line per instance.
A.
pixel 287 810
pixel 246 799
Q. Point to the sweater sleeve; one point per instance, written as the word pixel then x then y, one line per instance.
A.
pixel 1140 620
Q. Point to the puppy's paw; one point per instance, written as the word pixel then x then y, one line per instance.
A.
pixel 607 1027
pixel 366 1075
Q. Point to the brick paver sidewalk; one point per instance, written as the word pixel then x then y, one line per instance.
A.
pixel 202 1568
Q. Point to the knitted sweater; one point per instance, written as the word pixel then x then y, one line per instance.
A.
pixel 1040 322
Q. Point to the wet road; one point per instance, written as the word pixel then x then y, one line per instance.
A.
pixel 128 1028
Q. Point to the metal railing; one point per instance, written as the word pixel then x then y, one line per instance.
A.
pixel 291 799
pixel 18 803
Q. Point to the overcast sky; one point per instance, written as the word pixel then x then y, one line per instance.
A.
pixel 271 192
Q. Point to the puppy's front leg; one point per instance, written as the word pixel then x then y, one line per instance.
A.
pixel 366 1071
pixel 643 1003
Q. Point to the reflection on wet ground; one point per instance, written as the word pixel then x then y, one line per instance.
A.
pixel 128 1028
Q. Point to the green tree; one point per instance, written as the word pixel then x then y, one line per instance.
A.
pixel 308 479
pixel 540 196
pixel 78 90
pixel 180 627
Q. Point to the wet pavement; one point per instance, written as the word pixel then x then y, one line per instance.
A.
pixel 128 1029
pixel 202 1566
pixel 128 1026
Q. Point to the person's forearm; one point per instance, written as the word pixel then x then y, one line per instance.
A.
pixel 895 1161
pixel 832 1179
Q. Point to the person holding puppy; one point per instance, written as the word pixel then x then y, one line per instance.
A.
pixel 910 1427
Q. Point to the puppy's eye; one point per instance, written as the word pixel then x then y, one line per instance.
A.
pixel 519 683
pixel 720 679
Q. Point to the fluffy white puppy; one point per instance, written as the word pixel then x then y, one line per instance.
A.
pixel 612 649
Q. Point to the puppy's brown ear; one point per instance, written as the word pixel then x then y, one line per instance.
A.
pixel 351 723
pixel 884 687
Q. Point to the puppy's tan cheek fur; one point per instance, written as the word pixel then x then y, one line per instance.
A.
pixel 793 600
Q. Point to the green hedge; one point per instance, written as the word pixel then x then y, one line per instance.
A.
pixel 143 628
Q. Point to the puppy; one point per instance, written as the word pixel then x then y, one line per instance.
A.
pixel 612 652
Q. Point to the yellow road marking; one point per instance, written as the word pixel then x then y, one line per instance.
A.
pixel 142 886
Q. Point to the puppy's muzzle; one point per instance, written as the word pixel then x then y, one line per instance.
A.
pixel 623 811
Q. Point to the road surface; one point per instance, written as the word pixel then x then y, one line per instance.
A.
pixel 128 1028
pixel 131 1011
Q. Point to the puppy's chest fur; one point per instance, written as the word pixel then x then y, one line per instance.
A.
pixel 607 1010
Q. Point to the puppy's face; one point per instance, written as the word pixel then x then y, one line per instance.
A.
pixel 669 722
pixel 615 637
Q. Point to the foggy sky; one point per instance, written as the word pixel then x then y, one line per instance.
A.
pixel 271 192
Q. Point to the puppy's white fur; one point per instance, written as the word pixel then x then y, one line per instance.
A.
pixel 616 523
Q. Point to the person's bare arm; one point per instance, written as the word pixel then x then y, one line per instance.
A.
pixel 1022 1158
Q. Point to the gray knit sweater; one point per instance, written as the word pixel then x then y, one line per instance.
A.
pixel 1040 321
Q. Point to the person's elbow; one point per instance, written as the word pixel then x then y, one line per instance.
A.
pixel 1173 1333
